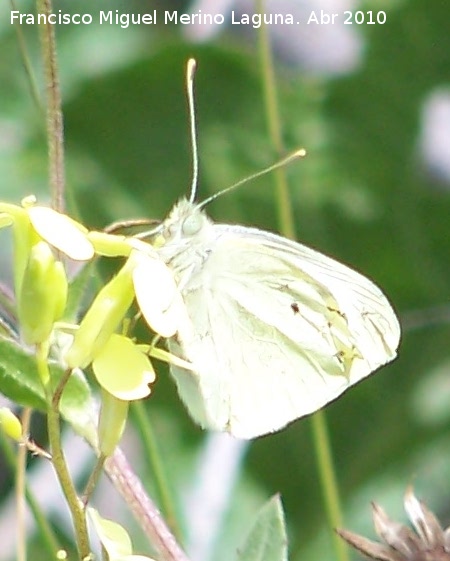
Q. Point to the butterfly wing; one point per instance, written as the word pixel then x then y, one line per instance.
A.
pixel 274 331
pixel 361 304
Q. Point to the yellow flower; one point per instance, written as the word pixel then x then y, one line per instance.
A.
pixel 35 228
pixel 32 222
pixel 10 424
pixel 102 319
pixel 62 232
pixel 123 370
pixel 156 292
pixel 143 275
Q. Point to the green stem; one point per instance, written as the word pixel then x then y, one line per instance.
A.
pixel 93 479
pixel 20 490
pixel 26 63
pixel 286 221
pixel 67 486
pixel 57 394
pixel 142 506
pixel 55 129
pixel 328 480
pixel 41 364
pixel 59 461
pixel 46 534
pixel 285 216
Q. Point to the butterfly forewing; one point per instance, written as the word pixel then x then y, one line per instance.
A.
pixel 361 303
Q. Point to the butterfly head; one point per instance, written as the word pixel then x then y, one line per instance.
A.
pixel 186 224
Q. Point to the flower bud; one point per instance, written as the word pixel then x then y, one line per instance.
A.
pixel 102 319
pixel 111 423
pixel 10 424
pixel 60 289
pixel 43 294
pixel 24 238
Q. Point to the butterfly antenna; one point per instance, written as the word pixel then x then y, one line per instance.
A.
pixel 300 153
pixel 190 72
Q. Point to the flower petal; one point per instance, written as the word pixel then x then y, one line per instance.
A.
pixel 157 294
pixel 62 232
pixel 122 370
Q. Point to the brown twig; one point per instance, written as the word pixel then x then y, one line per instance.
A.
pixel 55 128
pixel 143 508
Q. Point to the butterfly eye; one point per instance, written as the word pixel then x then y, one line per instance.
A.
pixel 192 225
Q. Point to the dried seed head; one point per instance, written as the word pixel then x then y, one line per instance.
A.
pixel 429 543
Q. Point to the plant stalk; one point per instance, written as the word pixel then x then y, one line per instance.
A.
pixel 287 227
pixel 55 127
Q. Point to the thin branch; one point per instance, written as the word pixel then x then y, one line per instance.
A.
pixel 56 397
pixel 20 491
pixel 127 483
pixel 55 128
pixel 49 542
pixel 26 62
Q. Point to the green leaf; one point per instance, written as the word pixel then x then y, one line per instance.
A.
pixel 115 539
pixel 267 540
pixel 20 382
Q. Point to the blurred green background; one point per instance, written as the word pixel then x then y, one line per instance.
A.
pixel 366 194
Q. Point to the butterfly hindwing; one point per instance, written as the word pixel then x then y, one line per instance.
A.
pixel 275 331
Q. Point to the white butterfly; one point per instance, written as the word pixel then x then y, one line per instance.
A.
pixel 274 330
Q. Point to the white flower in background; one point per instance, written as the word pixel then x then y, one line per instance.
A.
pixel 434 139
pixel 319 49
